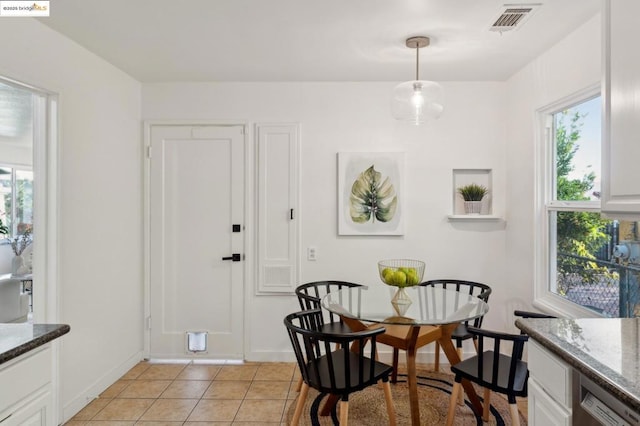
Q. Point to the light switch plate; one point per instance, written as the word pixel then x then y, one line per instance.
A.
pixel 312 253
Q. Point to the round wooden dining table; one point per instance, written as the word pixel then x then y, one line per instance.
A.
pixel 426 306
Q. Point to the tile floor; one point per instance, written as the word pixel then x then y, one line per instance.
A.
pixel 197 394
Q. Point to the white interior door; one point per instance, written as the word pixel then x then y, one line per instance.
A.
pixel 196 196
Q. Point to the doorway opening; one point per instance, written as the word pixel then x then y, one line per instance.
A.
pixel 28 143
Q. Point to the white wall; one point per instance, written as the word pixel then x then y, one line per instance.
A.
pixel 570 66
pixel 100 204
pixel 338 117
pixel 486 125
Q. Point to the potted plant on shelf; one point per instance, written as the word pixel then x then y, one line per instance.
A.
pixel 472 195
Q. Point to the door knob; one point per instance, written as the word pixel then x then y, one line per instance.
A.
pixel 235 257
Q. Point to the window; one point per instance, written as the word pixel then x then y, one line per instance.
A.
pixel 16 200
pixel 588 261
pixel 17 108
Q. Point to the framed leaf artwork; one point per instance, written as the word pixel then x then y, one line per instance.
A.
pixel 370 193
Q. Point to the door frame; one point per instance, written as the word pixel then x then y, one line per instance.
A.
pixel 249 219
pixel 46 157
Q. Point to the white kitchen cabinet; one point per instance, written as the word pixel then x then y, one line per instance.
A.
pixel 36 410
pixel 621 110
pixel 550 390
pixel 543 410
pixel 26 396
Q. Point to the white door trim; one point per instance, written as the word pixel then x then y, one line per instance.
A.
pixel 46 153
pixel 249 220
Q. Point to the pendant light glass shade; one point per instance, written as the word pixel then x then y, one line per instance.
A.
pixel 417 101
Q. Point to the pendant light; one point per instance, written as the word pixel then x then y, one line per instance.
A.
pixel 417 101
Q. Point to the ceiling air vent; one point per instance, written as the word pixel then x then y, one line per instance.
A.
pixel 513 16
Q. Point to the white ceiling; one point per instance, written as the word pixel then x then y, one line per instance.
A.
pixel 305 40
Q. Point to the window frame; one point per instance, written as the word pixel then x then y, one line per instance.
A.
pixel 13 230
pixel 545 203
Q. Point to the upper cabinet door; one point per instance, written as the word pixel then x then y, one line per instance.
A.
pixel 621 110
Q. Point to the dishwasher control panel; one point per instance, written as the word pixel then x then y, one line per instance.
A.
pixel 604 407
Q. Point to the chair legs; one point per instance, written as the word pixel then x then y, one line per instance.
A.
pixel 344 412
pixel 436 367
pixel 457 390
pixel 515 414
pixel 391 410
pixel 487 404
pixel 299 385
pixel 300 405
pixel 460 354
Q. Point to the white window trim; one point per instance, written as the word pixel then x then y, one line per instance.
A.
pixel 543 298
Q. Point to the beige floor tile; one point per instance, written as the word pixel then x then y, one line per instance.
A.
pixel 257 423
pixel 124 409
pixel 162 371
pixel 186 389
pixel 199 372
pixel 136 371
pixel 237 372
pixel 115 389
pixel 90 410
pixel 252 394
pixel 227 390
pixel 296 373
pixel 170 410
pixel 142 423
pixel 268 390
pixel 213 410
pixel 260 410
pixel 293 393
pixel 145 389
pixel 275 371
pixel 289 403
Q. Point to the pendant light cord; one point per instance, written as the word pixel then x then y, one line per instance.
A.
pixel 417 62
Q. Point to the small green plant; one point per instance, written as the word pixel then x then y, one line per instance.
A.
pixel 473 192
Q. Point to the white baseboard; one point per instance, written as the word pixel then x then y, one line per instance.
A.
pixel 383 355
pixel 91 392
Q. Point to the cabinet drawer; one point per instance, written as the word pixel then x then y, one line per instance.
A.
pixel 551 373
pixel 23 376
pixel 543 410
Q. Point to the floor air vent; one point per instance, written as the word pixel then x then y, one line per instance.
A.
pixel 513 16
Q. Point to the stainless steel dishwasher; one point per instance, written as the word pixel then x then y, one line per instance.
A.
pixel 593 405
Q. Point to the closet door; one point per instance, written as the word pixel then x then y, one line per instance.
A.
pixel 278 212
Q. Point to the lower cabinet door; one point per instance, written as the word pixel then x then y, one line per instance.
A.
pixel 543 410
pixel 36 411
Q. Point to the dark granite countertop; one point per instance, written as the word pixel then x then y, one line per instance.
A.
pixel 606 350
pixel 16 339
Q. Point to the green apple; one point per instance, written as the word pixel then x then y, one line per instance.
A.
pixel 400 278
pixel 387 275
pixel 412 277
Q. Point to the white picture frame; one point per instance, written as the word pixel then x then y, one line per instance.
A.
pixel 352 211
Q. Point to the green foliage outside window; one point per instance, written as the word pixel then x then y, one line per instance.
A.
pixel 579 233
